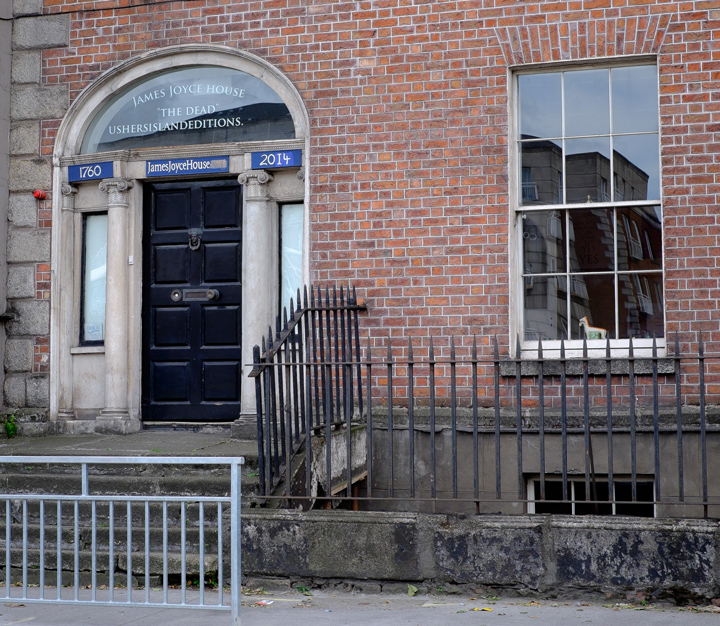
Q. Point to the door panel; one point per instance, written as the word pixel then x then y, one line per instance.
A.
pixel 222 262
pixel 192 321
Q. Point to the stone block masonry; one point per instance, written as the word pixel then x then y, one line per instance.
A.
pixel 32 103
pixel 549 555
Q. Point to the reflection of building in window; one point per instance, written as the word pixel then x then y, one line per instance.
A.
pixel 648 245
pixel 588 174
pixel 599 260
pixel 541 173
pixel 604 263
pixel 529 188
pixel 633 238
pixel 554 225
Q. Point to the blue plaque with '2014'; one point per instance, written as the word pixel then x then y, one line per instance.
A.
pixel 275 159
pixel 90 171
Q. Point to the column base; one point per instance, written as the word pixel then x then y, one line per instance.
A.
pixel 117 422
pixel 244 427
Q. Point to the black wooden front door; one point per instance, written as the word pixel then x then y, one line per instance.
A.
pixel 192 318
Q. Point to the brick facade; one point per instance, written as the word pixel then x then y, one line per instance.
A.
pixel 409 115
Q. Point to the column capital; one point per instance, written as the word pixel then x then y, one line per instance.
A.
pixel 256 183
pixel 68 196
pixel 117 190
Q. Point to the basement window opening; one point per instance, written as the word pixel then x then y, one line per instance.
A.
pixel 580 502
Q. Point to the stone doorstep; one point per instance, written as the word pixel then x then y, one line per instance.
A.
pixel 102 578
pixel 102 533
pixel 174 563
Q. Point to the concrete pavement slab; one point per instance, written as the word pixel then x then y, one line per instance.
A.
pixel 343 609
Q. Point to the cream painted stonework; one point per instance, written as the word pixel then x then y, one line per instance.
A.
pixel 97 388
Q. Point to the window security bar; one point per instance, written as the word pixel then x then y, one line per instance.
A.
pixel 128 536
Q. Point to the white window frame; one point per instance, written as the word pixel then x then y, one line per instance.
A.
pixel 642 347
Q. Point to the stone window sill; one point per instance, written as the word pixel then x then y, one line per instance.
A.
pixel 596 367
pixel 88 350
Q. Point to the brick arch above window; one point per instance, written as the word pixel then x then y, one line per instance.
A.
pixel 569 41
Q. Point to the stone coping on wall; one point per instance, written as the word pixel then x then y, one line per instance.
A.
pixel 545 554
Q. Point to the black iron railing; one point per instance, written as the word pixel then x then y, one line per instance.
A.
pixel 447 427
pixel 307 379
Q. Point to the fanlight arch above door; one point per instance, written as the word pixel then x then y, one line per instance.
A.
pixel 183 95
pixel 187 106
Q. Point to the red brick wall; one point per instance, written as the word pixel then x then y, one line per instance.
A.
pixel 408 104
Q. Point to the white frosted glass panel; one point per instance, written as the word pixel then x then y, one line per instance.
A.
pixel 187 106
pixel 291 233
pixel 94 273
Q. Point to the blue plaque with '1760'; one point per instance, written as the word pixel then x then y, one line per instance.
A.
pixel 90 171
pixel 275 159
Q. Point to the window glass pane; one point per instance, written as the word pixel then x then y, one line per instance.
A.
pixel 637 167
pixel 540 105
pixel 587 103
pixel 545 307
pixel 291 233
pixel 541 174
pixel 94 271
pixel 640 305
pixel 544 242
pixel 639 238
pixel 587 163
pixel 592 247
pixel 592 306
pixel 590 272
pixel 635 99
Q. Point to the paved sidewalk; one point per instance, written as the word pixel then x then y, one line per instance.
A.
pixel 339 609
pixel 145 443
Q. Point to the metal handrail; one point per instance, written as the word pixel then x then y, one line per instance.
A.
pixel 108 596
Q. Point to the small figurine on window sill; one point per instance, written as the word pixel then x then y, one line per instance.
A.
pixel 592 332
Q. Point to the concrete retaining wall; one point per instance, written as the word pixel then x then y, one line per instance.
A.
pixel 550 555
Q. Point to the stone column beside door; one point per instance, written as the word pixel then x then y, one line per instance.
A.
pixel 260 281
pixel 115 417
